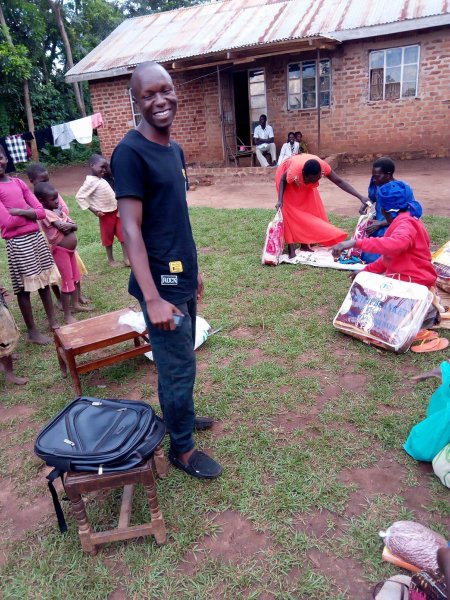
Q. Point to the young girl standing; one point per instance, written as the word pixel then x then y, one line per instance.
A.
pixel 60 232
pixel 30 261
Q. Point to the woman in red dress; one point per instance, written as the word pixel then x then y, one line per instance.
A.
pixel 304 217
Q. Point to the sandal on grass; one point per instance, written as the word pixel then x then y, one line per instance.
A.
pixel 433 345
pixel 425 334
pixel 394 588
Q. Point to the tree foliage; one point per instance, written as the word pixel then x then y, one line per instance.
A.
pixel 38 53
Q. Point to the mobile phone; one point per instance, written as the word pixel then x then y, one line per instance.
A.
pixel 177 319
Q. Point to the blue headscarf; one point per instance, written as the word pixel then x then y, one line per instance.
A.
pixel 396 196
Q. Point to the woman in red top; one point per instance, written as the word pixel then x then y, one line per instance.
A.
pixel 30 262
pixel 304 218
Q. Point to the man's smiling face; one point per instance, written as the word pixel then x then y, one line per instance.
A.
pixel 155 96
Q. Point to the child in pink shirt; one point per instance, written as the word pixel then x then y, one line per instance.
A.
pixel 60 232
pixel 31 265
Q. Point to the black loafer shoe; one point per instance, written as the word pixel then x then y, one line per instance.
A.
pixel 201 423
pixel 200 465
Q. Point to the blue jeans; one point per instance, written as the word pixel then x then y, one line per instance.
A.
pixel 173 352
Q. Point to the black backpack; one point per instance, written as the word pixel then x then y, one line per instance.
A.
pixel 94 434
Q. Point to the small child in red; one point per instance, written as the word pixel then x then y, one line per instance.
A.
pixel 97 195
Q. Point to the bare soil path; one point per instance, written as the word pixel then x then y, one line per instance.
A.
pixel 429 178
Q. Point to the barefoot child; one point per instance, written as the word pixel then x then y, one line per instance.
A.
pixel 37 173
pixel 30 261
pixel 60 232
pixel 9 335
pixel 97 195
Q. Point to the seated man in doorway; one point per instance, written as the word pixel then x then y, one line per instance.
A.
pixel 264 142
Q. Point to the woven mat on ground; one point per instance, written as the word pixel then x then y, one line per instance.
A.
pixel 321 257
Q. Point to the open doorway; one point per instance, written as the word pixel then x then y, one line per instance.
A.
pixel 242 107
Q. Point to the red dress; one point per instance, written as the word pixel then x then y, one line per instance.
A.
pixel 304 216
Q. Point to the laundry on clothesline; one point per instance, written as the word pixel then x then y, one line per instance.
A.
pixel 79 130
pixel 17 148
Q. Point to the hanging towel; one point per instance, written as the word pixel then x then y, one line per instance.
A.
pixel 44 136
pixel 62 135
pixel 82 130
pixel 10 166
pixel 97 120
pixel 17 148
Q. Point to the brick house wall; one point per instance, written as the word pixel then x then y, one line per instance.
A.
pixel 352 124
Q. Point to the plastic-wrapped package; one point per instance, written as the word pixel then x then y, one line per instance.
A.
pixel 414 543
pixel 441 262
pixel 382 311
pixel 360 230
pixel 273 246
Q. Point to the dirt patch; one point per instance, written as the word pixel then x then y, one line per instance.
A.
pixel 384 478
pixel 319 524
pixel 237 540
pixel 254 356
pixel 14 523
pixel 346 573
pixel 246 333
pixel 118 594
pixel 288 421
pixel 21 411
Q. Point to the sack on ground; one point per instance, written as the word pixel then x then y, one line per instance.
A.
pixel 273 246
pixel 385 312
pixel 9 333
pixel 441 262
pixel 428 438
pixel 414 543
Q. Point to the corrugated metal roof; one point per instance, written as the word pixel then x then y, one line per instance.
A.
pixel 233 24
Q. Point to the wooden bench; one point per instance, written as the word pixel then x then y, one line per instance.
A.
pixel 76 484
pixel 93 334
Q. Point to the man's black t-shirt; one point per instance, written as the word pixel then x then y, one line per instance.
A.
pixel 156 176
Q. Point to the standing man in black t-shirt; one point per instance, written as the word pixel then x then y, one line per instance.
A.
pixel 150 179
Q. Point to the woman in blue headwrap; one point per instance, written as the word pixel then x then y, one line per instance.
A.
pixel 405 246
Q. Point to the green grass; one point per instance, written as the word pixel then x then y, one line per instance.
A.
pixel 277 361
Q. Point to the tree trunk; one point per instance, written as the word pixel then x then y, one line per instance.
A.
pixel 26 91
pixel 65 39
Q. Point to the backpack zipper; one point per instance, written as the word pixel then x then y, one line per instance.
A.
pixel 107 433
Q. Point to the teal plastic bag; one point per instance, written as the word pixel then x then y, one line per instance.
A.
pixel 427 438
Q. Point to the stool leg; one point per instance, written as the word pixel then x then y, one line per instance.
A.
pixel 73 372
pixel 161 464
pixel 158 525
pixel 84 529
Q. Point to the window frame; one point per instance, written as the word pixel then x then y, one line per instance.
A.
pixel 135 113
pixel 261 111
pixel 317 91
pixel 402 65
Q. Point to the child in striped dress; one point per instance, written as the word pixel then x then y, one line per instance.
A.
pixel 30 261
pixel 97 195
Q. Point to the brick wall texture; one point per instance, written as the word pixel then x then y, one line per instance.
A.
pixel 352 124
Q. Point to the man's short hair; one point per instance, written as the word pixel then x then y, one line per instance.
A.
pixel 134 81
pixel 44 189
pixel 261 116
pixel 34 170
pixel 386 164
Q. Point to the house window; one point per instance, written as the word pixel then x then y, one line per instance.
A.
pixel 257 96
pixel 302 89
pixel 393 73
pixel 134 109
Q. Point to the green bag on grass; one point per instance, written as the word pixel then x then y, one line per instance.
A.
pixel 427 438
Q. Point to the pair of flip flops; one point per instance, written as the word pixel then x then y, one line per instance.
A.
pixel 428 341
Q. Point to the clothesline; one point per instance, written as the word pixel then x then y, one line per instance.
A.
pixel 61 135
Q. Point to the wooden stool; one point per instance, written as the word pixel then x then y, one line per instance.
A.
pixel 93 334
pixel 76 484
